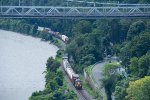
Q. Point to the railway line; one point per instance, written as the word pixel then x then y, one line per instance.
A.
pixel 81 94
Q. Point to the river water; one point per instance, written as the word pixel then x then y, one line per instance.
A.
pixel 22 62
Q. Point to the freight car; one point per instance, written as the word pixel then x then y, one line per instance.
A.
pixel 64 38
pixel 72 75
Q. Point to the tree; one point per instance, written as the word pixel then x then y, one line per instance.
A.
pixel 59 78
pixel 135 29
pixel 144 65
pixel 137 47
pixel 111 69
pixel 140 67
pixel 52 64
pixel 27 28
pixel 111 76
pixel 120 93
pixel 139 89
pixel 82 27
pixel 121 88
pixel 125 24
pixel 115 31
pixel 34 29
pixel 133 67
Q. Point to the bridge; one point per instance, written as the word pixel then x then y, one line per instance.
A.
pixel 120 11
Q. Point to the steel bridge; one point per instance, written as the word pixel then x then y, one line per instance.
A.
pixel 129 11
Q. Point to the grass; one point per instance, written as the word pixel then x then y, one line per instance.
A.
pixel 59 59
pixel 95 94
pixel 57 42
pixel 89 69
pixel 88 88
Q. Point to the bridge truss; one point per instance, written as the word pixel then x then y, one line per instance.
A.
pixel 74 12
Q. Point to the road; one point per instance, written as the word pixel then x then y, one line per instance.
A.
pixel 97 72
pixel 97 75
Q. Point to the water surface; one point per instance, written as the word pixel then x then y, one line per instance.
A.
pixel 22 62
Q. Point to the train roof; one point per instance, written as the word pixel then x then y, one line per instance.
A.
pixel 76 75
pixel 69 69
pixel 67 63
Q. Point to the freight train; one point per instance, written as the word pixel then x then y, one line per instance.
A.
pixel 64 38
pixel 72 75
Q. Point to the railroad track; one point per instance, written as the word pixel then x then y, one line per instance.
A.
pixel 80 93
pixel 83 95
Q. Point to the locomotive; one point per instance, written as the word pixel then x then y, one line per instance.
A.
pixel 72 75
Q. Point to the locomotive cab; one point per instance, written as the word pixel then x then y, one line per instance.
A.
pixel 77 82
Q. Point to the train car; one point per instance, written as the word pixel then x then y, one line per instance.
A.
pixel 72 75
pixel 64 38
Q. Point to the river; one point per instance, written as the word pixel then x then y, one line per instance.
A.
pixel 22 62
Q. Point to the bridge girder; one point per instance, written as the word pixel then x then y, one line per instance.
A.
pixel 73 12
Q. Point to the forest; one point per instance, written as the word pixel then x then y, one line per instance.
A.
pixel 91 41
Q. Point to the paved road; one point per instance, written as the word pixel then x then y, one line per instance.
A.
pixel 97 74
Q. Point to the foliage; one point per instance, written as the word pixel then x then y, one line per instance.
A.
pixel 111 76
pixel 111 69
pixel 82 27
pixel 140 67
pixel 139 89
pixel 135 29
pixel 54 87
pixel 52 64
pixel 85 50
pixel 138 47
pixel 23 27
pixel 121 88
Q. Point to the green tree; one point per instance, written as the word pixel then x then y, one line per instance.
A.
pixel 82 26
pixel 133 67
pixel 137 47
pixel 34 29
pixel 144 65
pixel 115 31
pixel 139 89
pixel 27 28
pixel 121 88
pixel 111 76
pixel 135 29
pixel 52 64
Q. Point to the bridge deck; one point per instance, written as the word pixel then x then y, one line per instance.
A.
pixel 74 12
